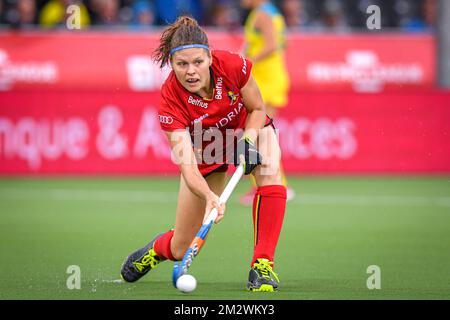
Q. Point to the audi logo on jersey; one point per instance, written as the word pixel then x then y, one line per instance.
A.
pixel 165 119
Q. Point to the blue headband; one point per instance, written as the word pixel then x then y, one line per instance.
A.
pixel 188 46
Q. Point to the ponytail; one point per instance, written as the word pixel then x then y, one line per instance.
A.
pixel 184 31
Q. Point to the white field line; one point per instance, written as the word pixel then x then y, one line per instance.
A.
pixel 370 200
pixel 124 196
pixel 87 195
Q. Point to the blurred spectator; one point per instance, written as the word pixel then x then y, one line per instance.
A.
pixel 1 12
pixel 27 12
pixel 430 12
pixel 168 10
pixel 106 12
pixel 21 14
pixel 143 14
pixel 54 13
pixel 224 14
pixel 321 15
pixel 333 15
pixel 424 19
pixel 292 11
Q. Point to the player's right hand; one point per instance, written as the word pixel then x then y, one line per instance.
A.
pixel 212 201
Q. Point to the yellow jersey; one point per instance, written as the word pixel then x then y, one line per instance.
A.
pixel 270 73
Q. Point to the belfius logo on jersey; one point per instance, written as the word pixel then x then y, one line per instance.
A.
pixel 233 97
pixel 198 102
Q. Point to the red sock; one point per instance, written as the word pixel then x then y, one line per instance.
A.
pixel 162 246
pixel 269 205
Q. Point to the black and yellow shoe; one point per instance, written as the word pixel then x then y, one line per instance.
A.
pixel 261 277
pixel 140 262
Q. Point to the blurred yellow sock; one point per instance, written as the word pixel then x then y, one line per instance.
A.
pixel 253 181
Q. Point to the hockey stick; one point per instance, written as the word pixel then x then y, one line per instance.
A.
pixel 181 268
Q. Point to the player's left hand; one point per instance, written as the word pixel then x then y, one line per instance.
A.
pixel 247 152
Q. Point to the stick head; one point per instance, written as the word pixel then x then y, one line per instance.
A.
pixel 176 273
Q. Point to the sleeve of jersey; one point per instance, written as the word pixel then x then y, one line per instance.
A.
pixel 170 116
pixel 240 68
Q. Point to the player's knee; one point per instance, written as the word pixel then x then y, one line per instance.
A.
pixel 270 180
pixel 269 175
pixel 177 253
pixel 269 170
pixel 178 250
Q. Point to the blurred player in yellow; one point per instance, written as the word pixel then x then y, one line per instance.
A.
pixel 265 42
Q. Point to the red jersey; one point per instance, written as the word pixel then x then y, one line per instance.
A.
pixel 181 109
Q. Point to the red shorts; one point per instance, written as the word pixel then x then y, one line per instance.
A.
pixel 207 169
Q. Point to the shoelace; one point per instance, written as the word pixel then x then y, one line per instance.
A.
pixel 147 261
pixel 265 267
